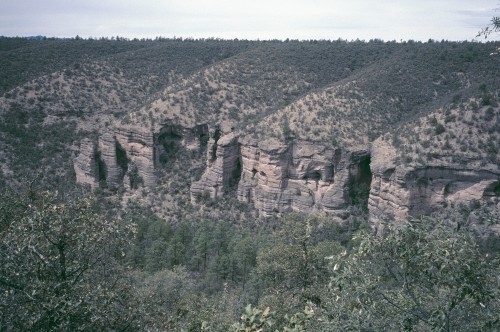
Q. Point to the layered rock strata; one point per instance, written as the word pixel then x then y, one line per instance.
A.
pixel 86 164
pixel 398 191
pixel 138 145
pixel 107 149
pixel 223 161
pixel 128 149
pixel 295 176
pixel 278 177
pixel 118 150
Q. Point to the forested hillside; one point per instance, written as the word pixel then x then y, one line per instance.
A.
pixel 234 185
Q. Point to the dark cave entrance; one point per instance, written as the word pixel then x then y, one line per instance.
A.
pixel 360 182
pixel 234 180
pixel 203 137
pixel 496 189
pixel 169 140
pixel 313 176
pixel 100 168
pixel 121 158
pixel 493 190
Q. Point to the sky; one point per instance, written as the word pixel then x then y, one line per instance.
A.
pixel 250 19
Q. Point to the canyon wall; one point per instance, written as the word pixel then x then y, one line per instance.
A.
pixel 86 164
pixel 129 155
pixel 309 176
pixel 398 191
pixel 277 177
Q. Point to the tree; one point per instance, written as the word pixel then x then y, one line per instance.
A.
pixel 422 275
pixel 201 245
pixel 243 257
pixel 293 271
pixel 57 266
pixel 296 259
pixel 493 27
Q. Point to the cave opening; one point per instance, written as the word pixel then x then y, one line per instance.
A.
pixel 203 137
pixel 360 182
pixel 213 154
pixel 234 180
pixel 496 189
pixel 329 173
pixel 100 168
pixel 121 158
pixel 313 176
pixel 493 190
pixel 170 142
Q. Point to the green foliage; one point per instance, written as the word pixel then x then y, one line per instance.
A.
pixel 26 140
pixel 420 275
pixel 58 265
pixel 254 320
pixel 197 267
pixel 213 248
pixel 135 179
pixel 298 321
pixel 439 129
pixel 293 271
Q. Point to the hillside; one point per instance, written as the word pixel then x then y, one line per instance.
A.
pixel 172 185
pixel 210 106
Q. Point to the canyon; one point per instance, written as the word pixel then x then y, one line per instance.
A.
pixel 279 176
pixel 405 129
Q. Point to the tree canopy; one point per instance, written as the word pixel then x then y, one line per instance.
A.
pixel 58 265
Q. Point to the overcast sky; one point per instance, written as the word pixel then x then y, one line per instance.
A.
pixel 250 19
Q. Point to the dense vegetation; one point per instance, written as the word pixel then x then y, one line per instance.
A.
pixel 66 267
pixel 71 260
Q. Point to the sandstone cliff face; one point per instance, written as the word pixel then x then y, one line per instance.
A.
pixel 301 176
pixel 138 145
pixel 298 175
pixel 132 153
pixel 223 158
pixel 86 167
pixel 119 151
pixel 107 148
pixel 399 191
pixel 277 177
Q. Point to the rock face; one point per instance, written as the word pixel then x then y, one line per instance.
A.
pixel 130 154
pixel 86 165
pixel 125 149
pixel 119 152
pixel 223 163
pixel 277 177
pixel 398 191
pixel 295 176
pixel 138 145
pixel 107 148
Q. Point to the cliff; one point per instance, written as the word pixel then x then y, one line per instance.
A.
pixel 86 164
pixel 129 155
pixel 398 190
pixel 310 176
pixel 277 177
pixel 298 175
pixel 388 135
